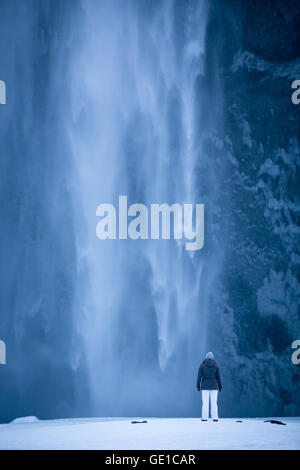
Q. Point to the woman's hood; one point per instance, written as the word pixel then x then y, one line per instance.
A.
pixel 210 362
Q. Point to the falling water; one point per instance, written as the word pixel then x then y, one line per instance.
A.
pixel 139 127
pixel 104 98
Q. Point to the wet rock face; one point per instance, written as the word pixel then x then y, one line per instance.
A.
pixel 271 29
pixel 268 29
pixel 258 55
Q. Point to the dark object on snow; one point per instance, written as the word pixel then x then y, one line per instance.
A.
pixel 239 421
pixel 274 421
pixel 139 422
pixel 209 376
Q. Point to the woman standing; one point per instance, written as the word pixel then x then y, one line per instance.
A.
pixel 209 381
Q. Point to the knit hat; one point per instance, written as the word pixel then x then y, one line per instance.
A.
pixel 209 355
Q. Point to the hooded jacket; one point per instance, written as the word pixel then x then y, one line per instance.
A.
pixel 209 376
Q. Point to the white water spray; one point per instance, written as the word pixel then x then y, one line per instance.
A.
pixel 136 97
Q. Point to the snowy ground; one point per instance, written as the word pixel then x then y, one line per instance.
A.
pixel 157 433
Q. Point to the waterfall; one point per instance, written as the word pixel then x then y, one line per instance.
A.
pixel 140 123
pixel 103 99
pixel 44 374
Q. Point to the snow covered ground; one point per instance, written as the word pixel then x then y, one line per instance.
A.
pixel 157 433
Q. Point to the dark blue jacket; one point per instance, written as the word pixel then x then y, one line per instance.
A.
pixel 209 376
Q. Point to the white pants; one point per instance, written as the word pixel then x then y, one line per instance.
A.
pixel 212 396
